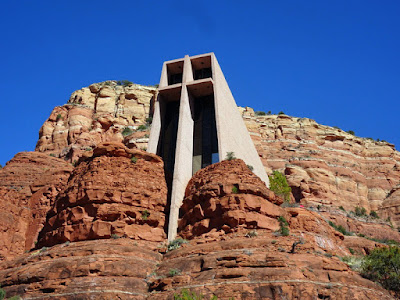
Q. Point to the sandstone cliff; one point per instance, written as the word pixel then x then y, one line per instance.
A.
pixel 84 216
pixel 326 165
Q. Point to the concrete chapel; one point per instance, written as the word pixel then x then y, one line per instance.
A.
pixel 195 123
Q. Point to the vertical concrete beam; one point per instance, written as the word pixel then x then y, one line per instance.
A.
pixel 183 162
pixel 155 127
pixel 164 76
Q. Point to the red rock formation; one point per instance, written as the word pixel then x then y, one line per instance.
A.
pixel 325 165
pixel 110 269
pixel 391 206
pixel 110 195
pixel 96 114
pixel 28 186
pixel 227 195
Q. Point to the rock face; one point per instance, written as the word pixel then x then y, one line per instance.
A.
pixel 108 195
pixel 224 196
pixel 248 260
pixel 244 258
pixel 391 206
pixel 28 186
pixel 110 269
pixel 325 165
pixel 103 216
pixel 95 114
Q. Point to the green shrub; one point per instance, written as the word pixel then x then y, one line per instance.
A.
pixel 125 83
pixel 115 236
pixel 187 295
pixel 269 113
pixel 52 155
pixel 281 113
pixel 142 128
pixel 174 272
pixel 351 132
pixel 284 230
pixel 251 168
pixel 342 208
pixel 127 131
pixel 230 156
pixel 339 228
pixel 374 214
pixel 145 214
pixel 1 167
pixel 149 120
pixel 176 244
pixel 351 251
pixel 360 211
pixel 133 159
pixel 259 113
pixel 235 190
pixel 382 265
pixel 58 117
pixel 278 184
pixel 2 294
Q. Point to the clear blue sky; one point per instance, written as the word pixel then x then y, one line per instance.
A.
pixel 333 61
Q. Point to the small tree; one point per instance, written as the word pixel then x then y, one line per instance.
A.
pixel 230 156
pixel 284 230
pixel 383 265
pixel 374 214
pixel 278 184
pixel 360 211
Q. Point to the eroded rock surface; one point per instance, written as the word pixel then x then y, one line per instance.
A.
pixel 323 164
pixel 95 114
pixel 29 184
pixel 108 195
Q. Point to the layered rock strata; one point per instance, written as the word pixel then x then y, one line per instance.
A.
pixel 246 258
pixel 29 184
pixel 95 114
pixel 323 164
pixel 224 196
pixel 110 269
pixel 117 192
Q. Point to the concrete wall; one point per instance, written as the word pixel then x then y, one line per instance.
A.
pixel 231 130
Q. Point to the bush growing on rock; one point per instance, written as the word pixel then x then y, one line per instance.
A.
pixel 260 113
pixel 374 214
pixel 383 265
pixel 127 131
pixel 176 244
pixel 278 184
pixel 187 295
pixel 230 156
pixel 284 230
pixel 360 211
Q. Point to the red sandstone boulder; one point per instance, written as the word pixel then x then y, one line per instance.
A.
pixel 225 196
pixel 29 184
pixel 109 195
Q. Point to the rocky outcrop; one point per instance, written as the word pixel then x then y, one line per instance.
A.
pixel 110 269
pixel 95 114
pixel 391 206
pixel 227 195
pixel 323 164
pixel 28 186
pixel 237 250
pixel 118 192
